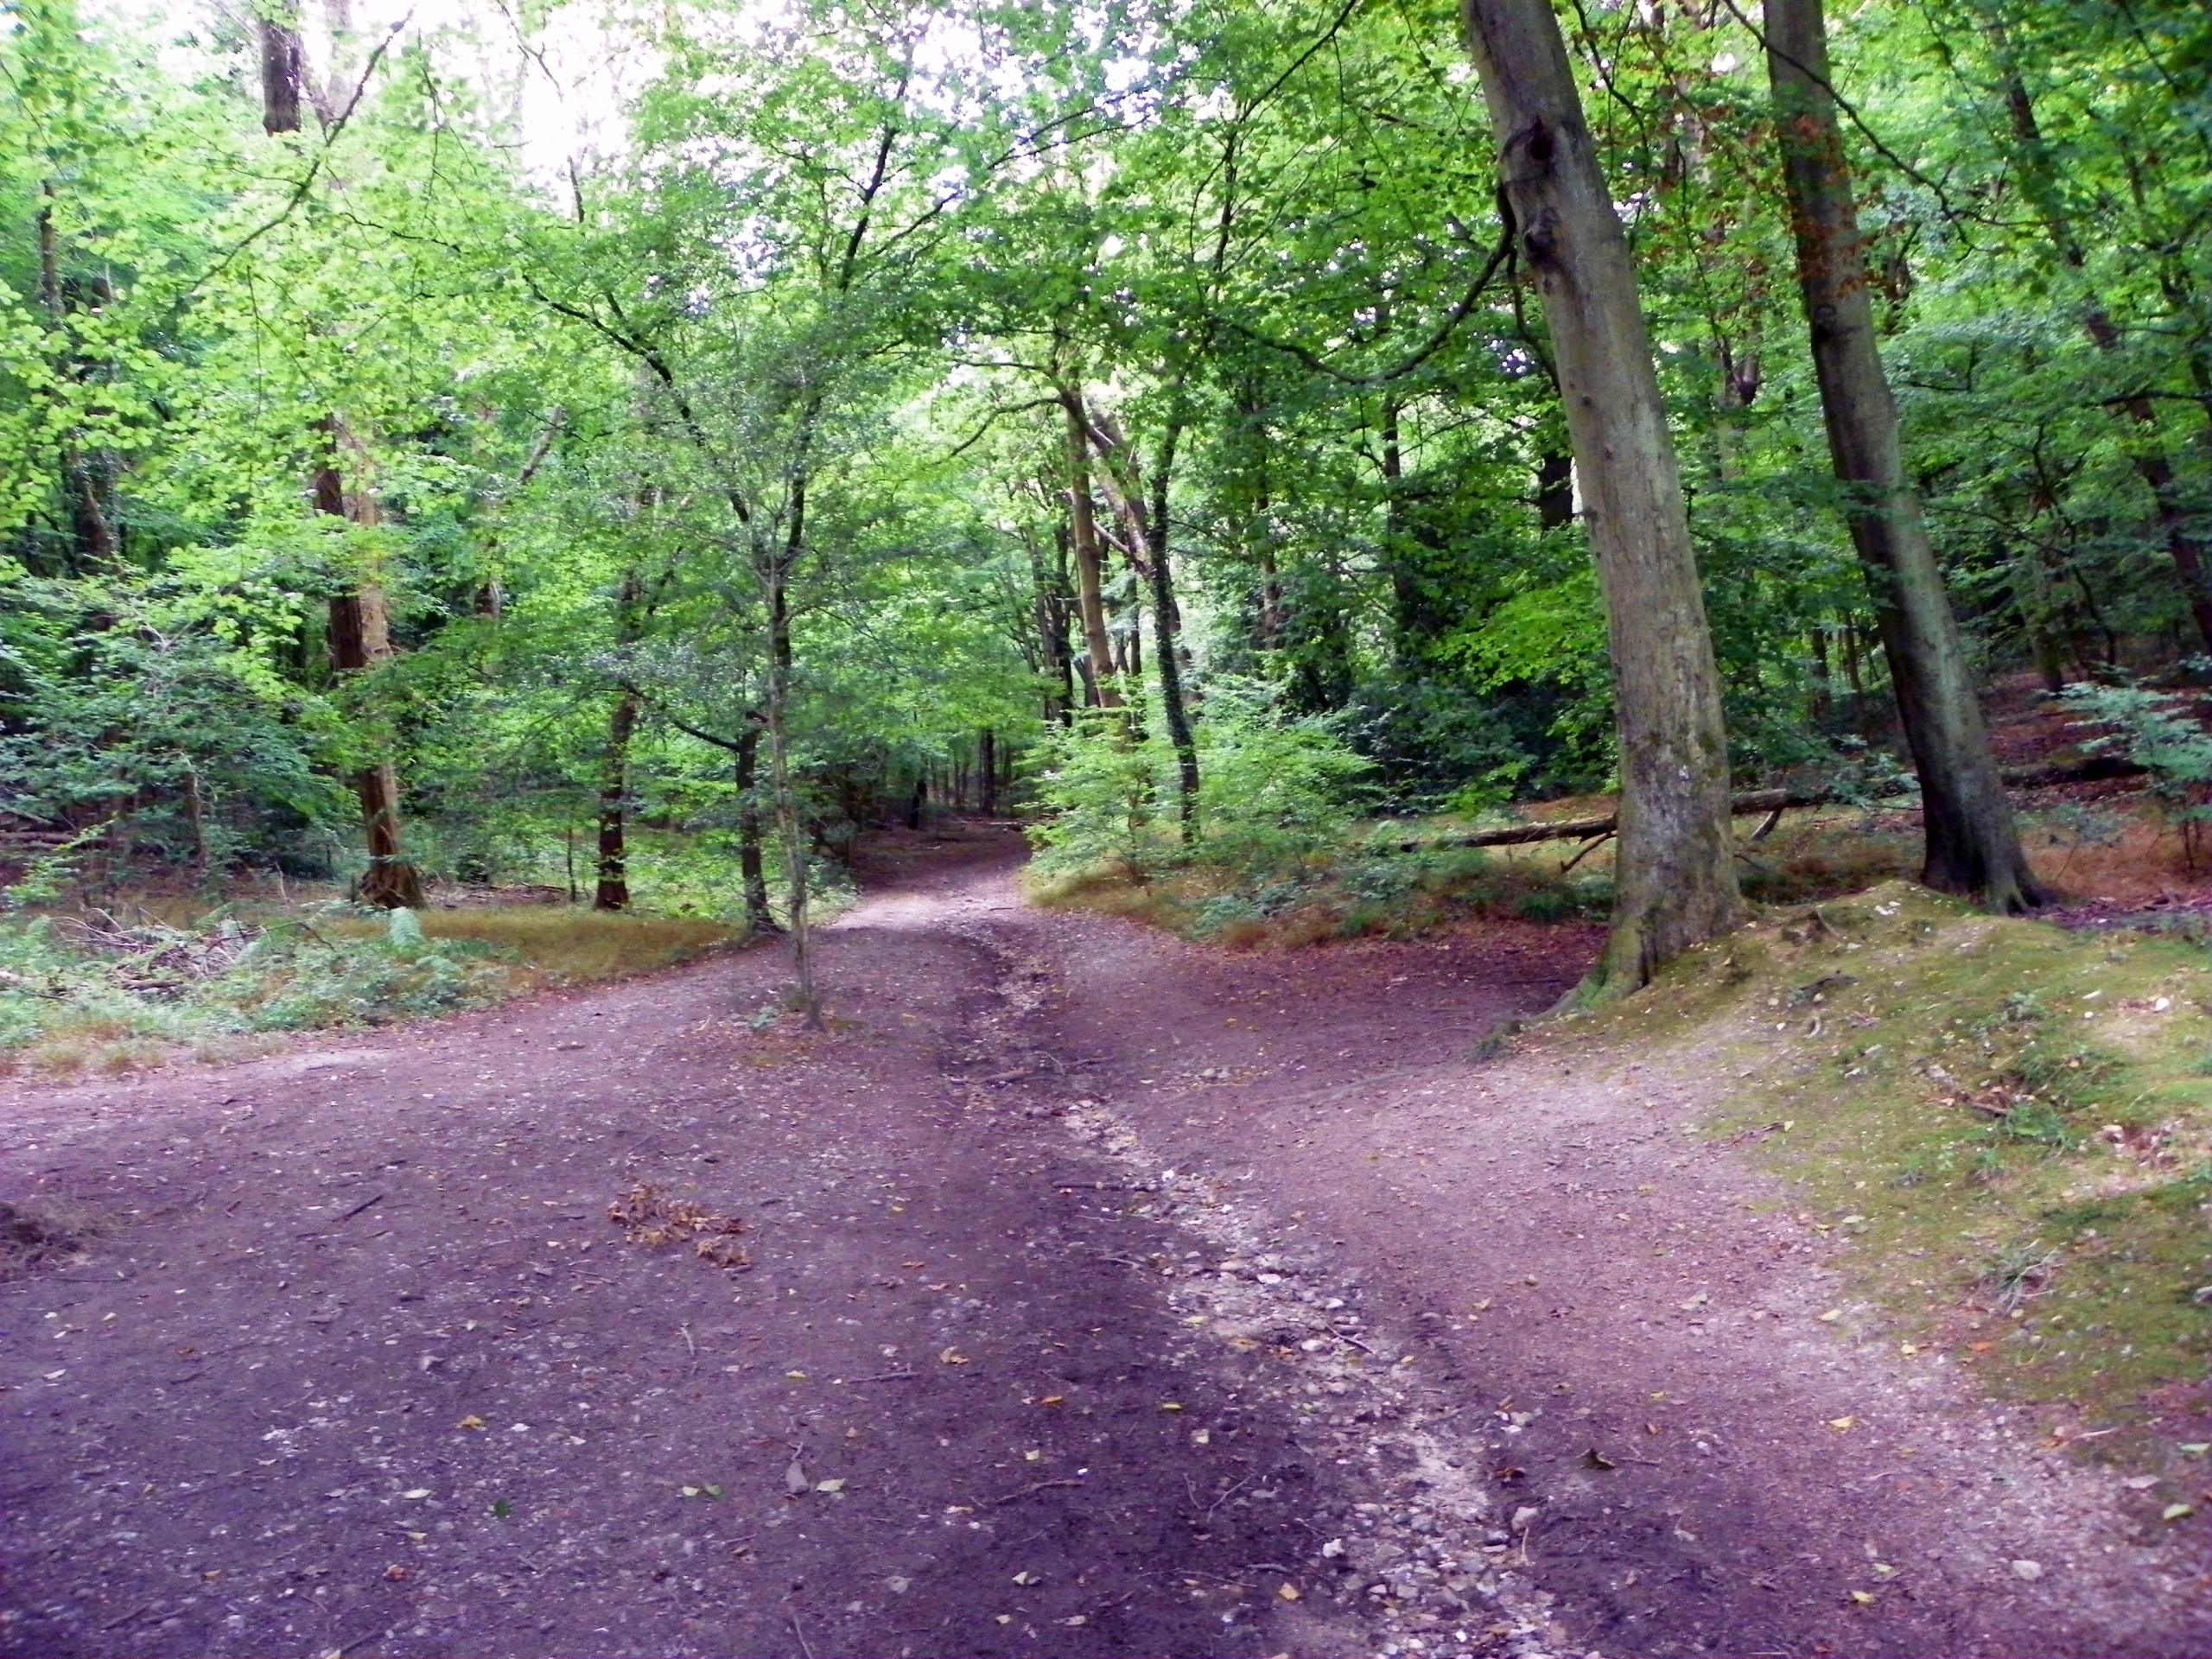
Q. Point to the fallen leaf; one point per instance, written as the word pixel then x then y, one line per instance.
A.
pixel 2140 1482
pixel 1171 1405
pixel 832 1487
pixel 1054 1400
pixel 1506 1474
pixel 470 1423
pixel 1832 1316
pixel 416 1491
pixel 1864 1598
pixel 952 1356
pixel 397 1574
pixel 1593 1458
pixel 1025 1576
pixel 1694 1302
pixel 1288 1592
pixel 2177 1512
pixel 1843 1424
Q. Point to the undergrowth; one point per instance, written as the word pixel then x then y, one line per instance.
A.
pixel 106 994
pixel 2010 1122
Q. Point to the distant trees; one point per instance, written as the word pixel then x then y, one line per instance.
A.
pixel 977 367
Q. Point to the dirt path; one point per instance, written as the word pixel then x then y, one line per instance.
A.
pixel 1107 1296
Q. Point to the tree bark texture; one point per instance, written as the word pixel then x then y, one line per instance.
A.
pixel 752 867
pixel 1082 526
pixel 1675 875
pixel 360 643
pixel 613 890
pixel 1971 845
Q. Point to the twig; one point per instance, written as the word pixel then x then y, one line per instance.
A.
pixel 888 1376
pixel 1230 1493
pixel 363 1205
pixel 344 1648
pixel 801 1635
pixel 1037 1486
pixel 117 1624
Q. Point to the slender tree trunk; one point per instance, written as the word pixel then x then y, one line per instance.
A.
pixel 1144 515
pixel 91 536
pixel 806 998
pixel 1172 707
pixel 1971 845
pixel 360 643
pixel 986 772
pixel 360 630
pixel 1674 868
pixel 760 916
pixel 2039 183
pixel 1089 566
pixel 613 891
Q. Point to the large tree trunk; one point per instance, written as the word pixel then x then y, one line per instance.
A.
pixel 1971 846
pixel 612 891
pixel 1675 872
pixel 986 772
pixel 1090 580
pixel 2039 183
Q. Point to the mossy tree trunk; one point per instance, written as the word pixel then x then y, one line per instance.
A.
pixel 1972 847
pixel 1675 872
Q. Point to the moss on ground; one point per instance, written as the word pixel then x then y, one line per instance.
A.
pixel 2012 1124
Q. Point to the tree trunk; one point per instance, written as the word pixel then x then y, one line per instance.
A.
pixel 1971 845
pixel 760 918
pixel 613 889
pixel 360 642
pixel 92 537
pixel 1674 871
pixel 986 772
pixel 805 998
pixel 1088 567
pixel 1172 706
pixel 360 631
pixel 1144 514
pixel 1555 489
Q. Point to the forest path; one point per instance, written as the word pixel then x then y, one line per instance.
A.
pixel 1084 1264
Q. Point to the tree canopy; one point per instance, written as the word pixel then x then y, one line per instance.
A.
pixel 896 400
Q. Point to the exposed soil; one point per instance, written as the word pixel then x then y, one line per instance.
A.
pixel 1106 1294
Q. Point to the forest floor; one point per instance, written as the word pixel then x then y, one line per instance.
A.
pixel 1104 1293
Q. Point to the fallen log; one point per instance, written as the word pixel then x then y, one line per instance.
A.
pixel 1772 802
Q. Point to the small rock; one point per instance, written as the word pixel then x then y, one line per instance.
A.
pixel 2029 1570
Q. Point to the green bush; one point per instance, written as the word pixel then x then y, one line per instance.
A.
pixel 1276 791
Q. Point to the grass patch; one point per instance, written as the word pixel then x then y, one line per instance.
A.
pixel 109 997
pixel 2010 1121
